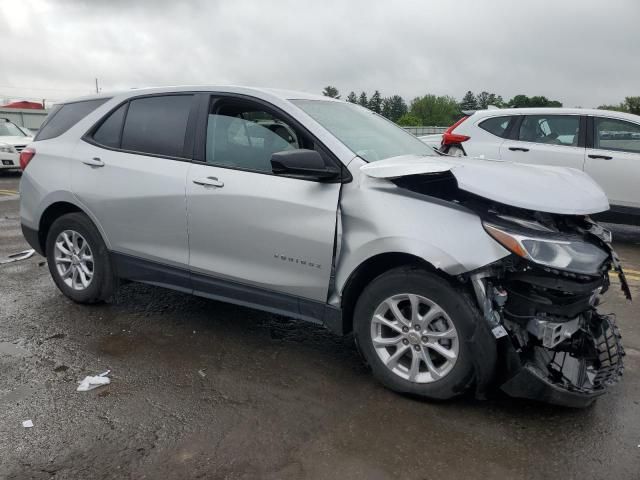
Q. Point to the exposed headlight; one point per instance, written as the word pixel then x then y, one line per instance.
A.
pixel 6 148
pixel 562 254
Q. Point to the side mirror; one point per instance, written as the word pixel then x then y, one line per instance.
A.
pixel 303 164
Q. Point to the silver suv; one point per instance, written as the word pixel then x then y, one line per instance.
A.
pixel 452 274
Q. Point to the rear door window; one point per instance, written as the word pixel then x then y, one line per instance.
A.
pixel 614 134
pixel 496 125
pixel 157 125
pixel 65 116
pixel 550 129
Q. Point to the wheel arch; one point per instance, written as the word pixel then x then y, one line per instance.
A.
pixel 373 267
pixel 55 211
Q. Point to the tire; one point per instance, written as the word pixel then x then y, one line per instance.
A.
pixel 456 151
pixel 453 377
pixel 610 353
pixel 100 284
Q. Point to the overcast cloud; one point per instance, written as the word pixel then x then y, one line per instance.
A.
pixel 583 53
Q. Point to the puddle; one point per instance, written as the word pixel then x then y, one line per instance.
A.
pixel 12 350
pixel 118 344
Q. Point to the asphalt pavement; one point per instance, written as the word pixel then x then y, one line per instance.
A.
pixel 202 389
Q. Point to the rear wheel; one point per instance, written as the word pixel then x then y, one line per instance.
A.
pixel 411 327
pixel 78 259
pixel 455 151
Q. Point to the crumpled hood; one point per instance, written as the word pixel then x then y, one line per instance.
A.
pixel 541 188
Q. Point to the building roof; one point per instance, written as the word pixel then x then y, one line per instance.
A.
pixel 24 104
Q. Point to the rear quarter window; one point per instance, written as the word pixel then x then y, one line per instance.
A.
pixel 65 116
pixel 496 125
pixel 109 132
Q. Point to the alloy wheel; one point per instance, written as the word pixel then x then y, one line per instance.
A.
pixel 74 260
pixel 415 338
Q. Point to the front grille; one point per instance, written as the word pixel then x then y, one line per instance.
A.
pixel 19 148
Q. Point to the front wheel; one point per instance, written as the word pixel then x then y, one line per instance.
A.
pixel 78 259
pixel 411 326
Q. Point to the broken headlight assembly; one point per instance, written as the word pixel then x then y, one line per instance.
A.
pixel 550 250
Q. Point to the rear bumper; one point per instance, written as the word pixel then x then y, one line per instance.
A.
pixel 530 383
pixel 32 238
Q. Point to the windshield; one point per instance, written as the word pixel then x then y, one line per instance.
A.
pixel 369 135
pixel 8 129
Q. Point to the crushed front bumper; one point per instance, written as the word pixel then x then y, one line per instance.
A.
pixel 530 383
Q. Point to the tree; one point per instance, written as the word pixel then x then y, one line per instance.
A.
pixel 616 108
pixel 375 102
pixel 409 120
pixel 519 101
pixel 542 101
pixel 469 101
pixel 331 92
pixel 484 99
pixel 394 107
pixel 433 110
pixel 352 97
pixel 633 105
pixel 362 100
pixel 386 107
pixel 523 101
pixel 630 105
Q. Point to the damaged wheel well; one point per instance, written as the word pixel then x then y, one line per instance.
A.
pixel 50 215
pixel 372 268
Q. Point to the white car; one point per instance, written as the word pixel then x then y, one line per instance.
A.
pixel 13 139
pixel 602 143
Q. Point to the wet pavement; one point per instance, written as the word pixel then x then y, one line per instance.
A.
pixel 202 389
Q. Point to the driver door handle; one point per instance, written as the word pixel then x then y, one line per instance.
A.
pixel 93 162
pixel 209 182
pixel 518 149
pixel 603 157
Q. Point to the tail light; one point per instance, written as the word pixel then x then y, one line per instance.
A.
pixel 450 138
pixel 25 157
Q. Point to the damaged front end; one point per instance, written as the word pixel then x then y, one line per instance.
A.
pixel 541 304
pixel 540 301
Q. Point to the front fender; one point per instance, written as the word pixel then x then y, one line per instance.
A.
pixel 379 217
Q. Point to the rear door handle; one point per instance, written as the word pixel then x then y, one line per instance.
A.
pixel 209 182
pixel 93 162
pixel 602 157
pixel 518 149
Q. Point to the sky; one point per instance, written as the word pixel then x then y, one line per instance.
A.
pixel 583 53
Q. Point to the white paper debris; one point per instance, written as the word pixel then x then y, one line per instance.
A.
pixel 15 257
pixel 27 424
pixel 89 383
pixel 201 373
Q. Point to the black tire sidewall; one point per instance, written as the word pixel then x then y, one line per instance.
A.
pixel 101 283
pixel 460 311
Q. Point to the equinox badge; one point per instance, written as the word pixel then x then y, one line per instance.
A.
pixel 299 261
